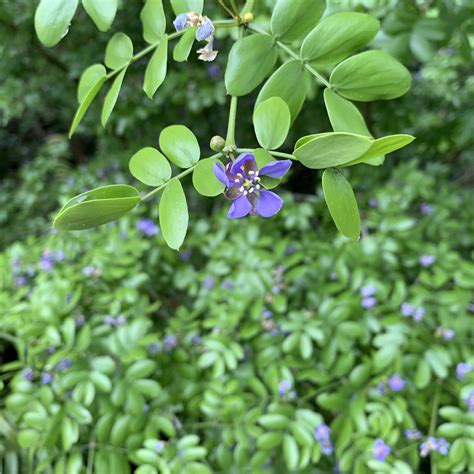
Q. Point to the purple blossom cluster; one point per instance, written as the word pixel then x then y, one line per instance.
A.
pixel 413 434
pixel 91 271
pixel 434 444
pixel 285 390
pixel 427 260
pixel 147 227
pixel 49 258
pixel 445 333
pixel 110 320
pixel 469 401
pixel 396 383
pixel 63 364
pixel 380 450
pixel 462 369
pixel 368 296
pixel 322 434
pixel 410 311
pixel 426 209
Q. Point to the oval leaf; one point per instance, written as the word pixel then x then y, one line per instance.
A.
pixel 271 120
pixel 89 79
pixel 331 149
pixel 52 19
pixel 185 6
pixel 183 47
pixel 292 19
pixel 256 55
pixel 290 452
pixel 150 167
pixel 111 97
pixel 119 51
pixel 180 145
pixel 102 12
pixel 174 214
pixel 156 70
pixel 371 75
pixel 153 21
pixel 342 203
pixel 96 207
pixel 337 36
pixel 204 180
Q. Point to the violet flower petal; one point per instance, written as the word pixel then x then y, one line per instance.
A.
pixel 238 164
pixel 276 169
pixel 205 30
pixel 220 174
pixel 239 208
pixel 180 22
pixel 268 204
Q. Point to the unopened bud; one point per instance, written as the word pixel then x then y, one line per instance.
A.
pixel 247 17
pixel 217 143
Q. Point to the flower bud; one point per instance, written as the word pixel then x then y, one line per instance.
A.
pixel 247 17
pixel 217 143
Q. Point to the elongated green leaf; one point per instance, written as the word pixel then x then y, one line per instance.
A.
pixel 183 47
pixel 156 70
pixel 371 75
pixel 342 203
pixel 290 452
pixel 119 51
pixel 256 55
pixel 337 36
pixel 96 207
pixel 332 149
pixel 52 19
pixel 153 21
pixel 293 19
pixel 180 145
pixel 204 180
pixel 290 83
pixel 271 120
pixel 344 115
pixel 150 167
pixel 111 97
pixel 185 6
pixel 383 146
pixel 102 12
pixel 89 79
pixel 174 214
pixel 89 86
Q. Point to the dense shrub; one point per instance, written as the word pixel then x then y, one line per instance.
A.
pixel 228 356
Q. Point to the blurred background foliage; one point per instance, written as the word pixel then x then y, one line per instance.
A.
pixel 213 331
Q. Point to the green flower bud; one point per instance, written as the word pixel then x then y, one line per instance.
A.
pixel 217 143
pixel 247 18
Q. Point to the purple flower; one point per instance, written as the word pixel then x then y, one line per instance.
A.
pixel 413 434
pixel 369 302
pixel 109 320
pixel 396 383
pixel 120 320
pixel 284 387
pixel 147 227
pixel 185 255
pixel 443 446
pixel 380 389
pixel 21 281
pixel 46 261
pixel 419 313
pixel 427 260
pixel 214 71
pixel 434 444
pixel 471 307
pixel 227 285
pixel 469 401
pixel 407 309
pixel 322 434
pixel 266 313
pixel 80 320
pixel 181 22
pixel 380 451
pixel 146 408
pixel 205 31
pixel 159 445
pixel 208 283
pixel 462 369
pixel 170 342
pixel 445 333
pixel 373 203
pixel 154 348
pixel 46 378
pixel 28 374
pixel 242 180
pixel 426 209
pixel 368 290
pixel 196 339
pixel 63 364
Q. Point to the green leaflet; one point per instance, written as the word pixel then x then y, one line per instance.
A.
pixel 150 167
pixel 185 6
pixel 153 21
pixel 180 145
pixel 174 214
pixel 342 203
pixel 157 68
pixel 272 120
pixel 183 47
pixel 204 180
pixel 102 12
pixel 119 51
pixel 256 55
pixel 111 97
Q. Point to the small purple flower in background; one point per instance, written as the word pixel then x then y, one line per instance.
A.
pixel 208 283
pixel 146 408
pixel 63 364
pixel 426 209
pixel 51 349
pixel 242 181
pixel 413 434
pixel 170 341
pixel 380 450
pixel 380 389
pixel 21 281
pixel 290 250
pixel 471 308
pixel 266 313
pixel 368 290
pixel 396 383
pixel 443 446
pixel 46 378
pixel 419 313
pixel 180 22
pixel 79 319
pixel 120 320
pixel 434 444
pixel 322 434
pixel 59 256
pixel 109 320
pixel 205 31
pixel 159 445
pixel 407 309
pixel 373 203
pixel 469 401
pixel 462 369
pixel 284 387
pixel 214 71
pixel 368 302
pixel 28 374
pixel 227 285
pixel 147 227
pixel 185 255
pixel 91 271
pixel 333 276
pixel 154 348
pixel 427 260
pixel 196 339
pixel 445 333
pixel 46 261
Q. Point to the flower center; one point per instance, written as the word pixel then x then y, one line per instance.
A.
pixel 251 183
